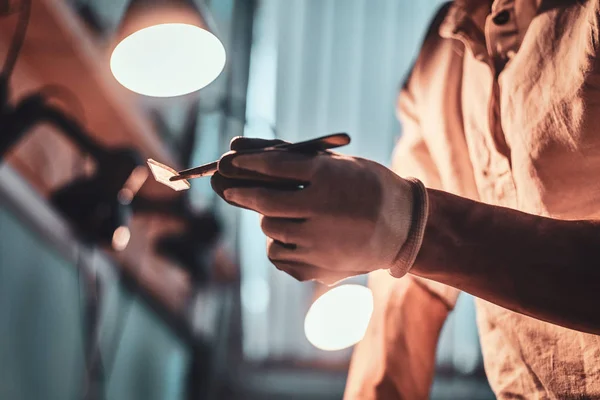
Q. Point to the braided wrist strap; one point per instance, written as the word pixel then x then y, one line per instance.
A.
pixel 410 248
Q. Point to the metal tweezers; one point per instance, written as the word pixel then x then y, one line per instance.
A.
pixel 313 145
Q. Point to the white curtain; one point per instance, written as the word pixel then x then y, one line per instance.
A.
pixel 318 67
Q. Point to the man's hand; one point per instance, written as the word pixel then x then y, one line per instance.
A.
pixel 341 216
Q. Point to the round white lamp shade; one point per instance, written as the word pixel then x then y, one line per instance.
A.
pixel 165 48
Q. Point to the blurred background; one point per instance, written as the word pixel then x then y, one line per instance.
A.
pixel 113 286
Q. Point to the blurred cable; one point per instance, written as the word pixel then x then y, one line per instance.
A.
pixel 67 97
pixel 122 319
pixel 18 37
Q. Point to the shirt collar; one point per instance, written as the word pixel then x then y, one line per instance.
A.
pixel 466 20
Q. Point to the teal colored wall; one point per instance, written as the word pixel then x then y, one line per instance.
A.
pixel 41 345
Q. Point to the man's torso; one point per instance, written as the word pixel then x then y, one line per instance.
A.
pixel 509 107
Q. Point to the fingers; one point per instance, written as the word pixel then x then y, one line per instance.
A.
pixel 300 263
pixel 244 143
pixel 303 272
pixel 271 202
pixel 278 251
pixel 280 164
pixel 284 230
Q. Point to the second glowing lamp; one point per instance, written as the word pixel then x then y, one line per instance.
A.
pixel 339 318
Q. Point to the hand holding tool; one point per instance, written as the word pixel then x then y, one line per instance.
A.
pixel 179 180
pixel 326 216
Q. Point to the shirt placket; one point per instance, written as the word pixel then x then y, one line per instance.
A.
pixel 495 46
pixel 502 42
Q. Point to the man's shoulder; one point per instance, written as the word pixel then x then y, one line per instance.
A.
pixel 439 18
pixel 436 52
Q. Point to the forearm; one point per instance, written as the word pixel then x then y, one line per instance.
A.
pixel 396 358
pixel 545 268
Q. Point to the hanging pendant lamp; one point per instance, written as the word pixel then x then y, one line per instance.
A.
pixel 166 48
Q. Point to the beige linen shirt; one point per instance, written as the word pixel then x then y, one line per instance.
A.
pixel 503 106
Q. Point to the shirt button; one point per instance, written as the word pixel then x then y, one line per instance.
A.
pixel 501 18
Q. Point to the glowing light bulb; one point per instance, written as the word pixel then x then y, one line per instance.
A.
pixel 339 318
pixel 120 238
pixel 168 60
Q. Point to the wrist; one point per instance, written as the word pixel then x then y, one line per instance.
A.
pixel 416 229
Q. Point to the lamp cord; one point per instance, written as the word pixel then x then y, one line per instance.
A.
pixel 18 38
